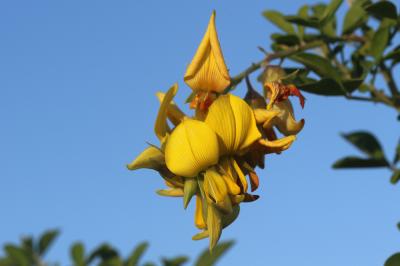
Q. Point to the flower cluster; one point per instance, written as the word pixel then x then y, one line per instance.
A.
pixel 213 154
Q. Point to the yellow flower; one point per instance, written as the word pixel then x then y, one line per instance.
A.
pixel 191 148
pixel 207 71
pixel 208 156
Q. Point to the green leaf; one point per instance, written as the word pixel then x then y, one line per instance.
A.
pixel 137 253
pixel 383 9
pixel 379 42
pixel 393 260
pixel 330 87
pixel 189 190
pixel 302 13
pixel 318 64
pixel 178 261
pixel 395 177
pixel 78 254
pixel 355 17
pixel 208 259
pixel 18 255
pixel 325 86
pixel 104 252
pixel 311 22
pixel 46 240
pixel 289 39
pixel 356 162
pixel 279 20
pixel 365 142
pixel 149 264
pixel 330 11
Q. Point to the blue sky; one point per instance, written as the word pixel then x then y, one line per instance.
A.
pixel 77 103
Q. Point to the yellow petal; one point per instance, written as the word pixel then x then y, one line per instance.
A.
pixel 240 174
pixel 233 121
pixel 277 146
pixel 173 192
pixel 216 190
pixel 285 121
pixel 198 216
pixel 208 71
pixel 161 126
pixel 151 158
pixel 191 148
pixel 174 114
pixel 201 235
pixel 264 116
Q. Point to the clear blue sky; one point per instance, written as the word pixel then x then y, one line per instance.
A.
pixel 77 85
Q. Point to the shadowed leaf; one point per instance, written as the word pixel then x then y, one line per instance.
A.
pixel 137 253
pixel 330 87
pixel 365 142
pixel 395 177
pixel 17 255
pixel 383 9
pixel 46 240
pixel 103 252
pixel 78 254
pixel 356 162
pixel 208 259
pixel 178 261
pixel 393 260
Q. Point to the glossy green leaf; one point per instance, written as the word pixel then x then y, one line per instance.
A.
pixel 393 260
pixel 77 254
pixel 178 261
pixel 307 22
pixel 318 64
pixel 395 177
pixel 209 259
pixel 330 87
pixel 46 240
pixel 379 42
pixel 365 142
pixel 383 9
pixel 137 253
pixel 355 17
pixel 279 20
pixel 288 40
pixel 330 11
pixel 326 87
pixel 356 162
pixel 302 13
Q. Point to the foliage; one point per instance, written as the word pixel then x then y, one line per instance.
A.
pixel 343 61
pixel 31 252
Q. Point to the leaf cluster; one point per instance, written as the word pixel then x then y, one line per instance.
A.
pixel 31 252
